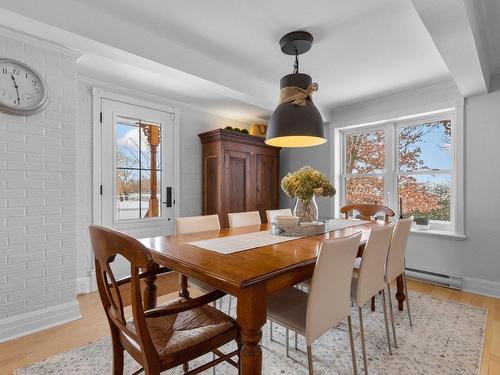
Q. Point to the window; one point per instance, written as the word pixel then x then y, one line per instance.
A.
pixel 364 167
pixel 407 165
pixel 424 176
pixel 138 169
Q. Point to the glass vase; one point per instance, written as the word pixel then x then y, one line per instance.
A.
pixel 306 210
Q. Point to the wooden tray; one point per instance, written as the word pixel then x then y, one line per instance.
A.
pixel 301 230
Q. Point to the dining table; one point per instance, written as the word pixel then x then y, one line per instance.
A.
pixel 250 276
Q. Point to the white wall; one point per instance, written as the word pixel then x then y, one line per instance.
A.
pixel 317 157
pixel 37 197
pixel 476 258
pixel 192 122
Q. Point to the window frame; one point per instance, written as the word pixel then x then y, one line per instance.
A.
pixel 383 174
pixel 392 172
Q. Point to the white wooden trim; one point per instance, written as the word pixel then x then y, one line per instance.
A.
pixel 42 43
pixel 335 160
pixel 177 162
pixel 132 100
pixel 391 128
pixel 459 167
pixel 399 107
pixel 151 98
pixel 38 320
pixel 96 158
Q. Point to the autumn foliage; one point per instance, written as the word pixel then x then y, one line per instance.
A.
pixel 365 158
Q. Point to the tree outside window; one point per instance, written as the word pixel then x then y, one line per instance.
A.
pixel 422 154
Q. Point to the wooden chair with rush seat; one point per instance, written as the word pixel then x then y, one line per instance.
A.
pixel 166 336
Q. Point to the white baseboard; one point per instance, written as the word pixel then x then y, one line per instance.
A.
pixel 481 286
pixel 83 285
pixel 39 320
pixel 86 284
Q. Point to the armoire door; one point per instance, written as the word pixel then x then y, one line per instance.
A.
pixel 237 191
pixel 267 168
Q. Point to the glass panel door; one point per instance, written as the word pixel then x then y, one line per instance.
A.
pixel 137 169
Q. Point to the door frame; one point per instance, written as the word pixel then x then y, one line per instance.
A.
pixel 98 95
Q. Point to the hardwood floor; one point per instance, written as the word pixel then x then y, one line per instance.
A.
pixel 93 325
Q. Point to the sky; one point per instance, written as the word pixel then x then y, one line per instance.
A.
pixel 435 154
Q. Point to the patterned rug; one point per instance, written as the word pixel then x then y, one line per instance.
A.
pixel 446 338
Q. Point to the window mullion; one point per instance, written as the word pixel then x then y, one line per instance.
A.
pixel 389 166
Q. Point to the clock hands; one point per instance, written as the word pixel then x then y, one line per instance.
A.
pixel 17 88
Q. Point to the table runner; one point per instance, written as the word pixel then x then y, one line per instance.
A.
pixel 247 241
pixel 240 242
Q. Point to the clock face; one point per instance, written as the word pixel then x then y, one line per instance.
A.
pixel 22 90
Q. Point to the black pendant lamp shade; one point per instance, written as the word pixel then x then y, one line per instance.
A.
pixel 296 122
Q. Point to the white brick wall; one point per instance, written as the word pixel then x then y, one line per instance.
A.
pixel 37 191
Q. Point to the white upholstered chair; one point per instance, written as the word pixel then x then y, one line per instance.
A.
pixel 192 224
pixel 271 214
pixel 242 219
pixel 371 278
pixel 395 265
pixel 328 301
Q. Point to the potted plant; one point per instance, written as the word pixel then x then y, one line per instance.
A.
pixel 422 223
pixel 306 184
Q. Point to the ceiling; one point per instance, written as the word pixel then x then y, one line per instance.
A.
pixel 489 16
pixel 224 55
pixel 362 48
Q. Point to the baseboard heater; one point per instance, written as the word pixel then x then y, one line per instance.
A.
pixel 451 281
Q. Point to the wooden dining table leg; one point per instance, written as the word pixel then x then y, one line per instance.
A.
pixel 251 316
pixel 400 294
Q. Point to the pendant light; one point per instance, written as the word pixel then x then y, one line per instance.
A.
pixel 296 122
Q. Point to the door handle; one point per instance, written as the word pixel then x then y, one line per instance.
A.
pixel 168 201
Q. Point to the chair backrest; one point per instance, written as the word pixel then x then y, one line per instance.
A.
pixel 372 269
pixel 330 294
pixel 367 211
pixel 191 224
pixel 395 265
pixel 106 244
pixel 241 219
pixel 271 214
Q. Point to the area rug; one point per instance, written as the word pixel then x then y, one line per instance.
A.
pixel 446 338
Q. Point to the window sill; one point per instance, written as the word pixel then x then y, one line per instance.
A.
pixel 439 233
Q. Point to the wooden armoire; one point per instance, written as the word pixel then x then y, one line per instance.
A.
pixel 240 173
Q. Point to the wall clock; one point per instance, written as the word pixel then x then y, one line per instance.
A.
pixel 23 91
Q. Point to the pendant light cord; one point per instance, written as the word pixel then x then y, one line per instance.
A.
pixel 296 63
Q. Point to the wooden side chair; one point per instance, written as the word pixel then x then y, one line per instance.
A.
pixel 164 337
pixel 242 219
pixel 368 211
